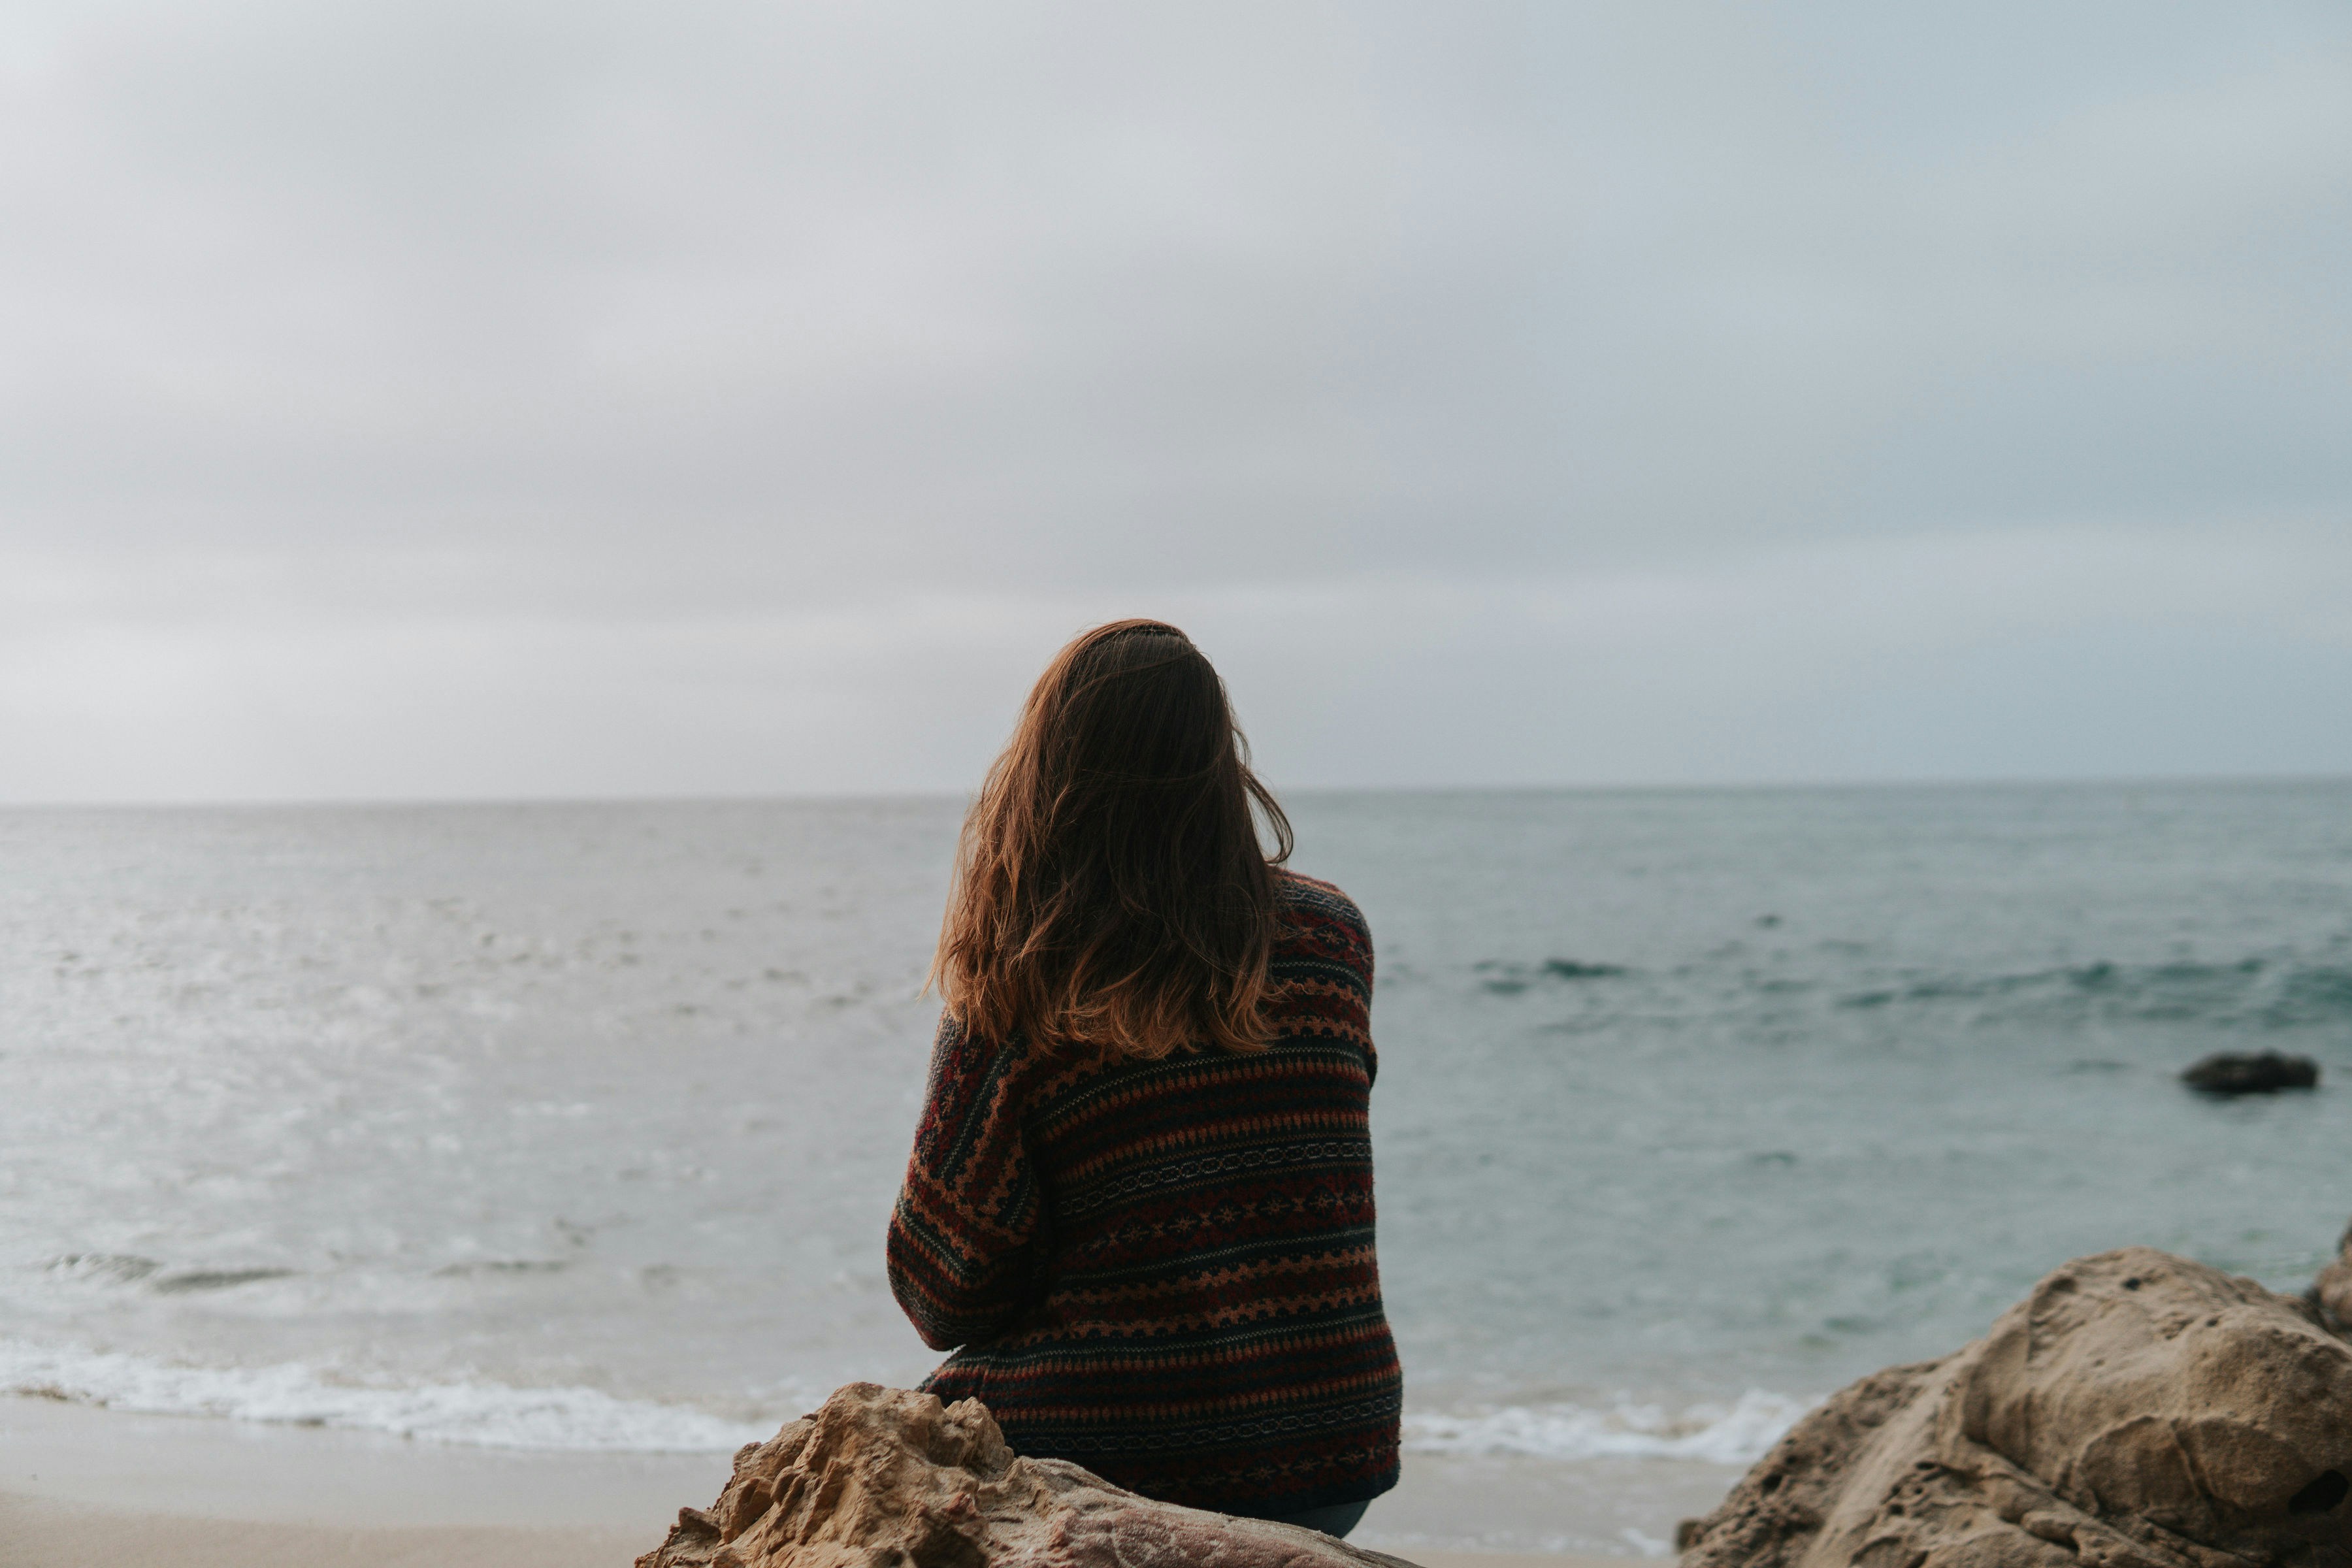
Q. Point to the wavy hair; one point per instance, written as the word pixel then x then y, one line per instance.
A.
pixel 1110 889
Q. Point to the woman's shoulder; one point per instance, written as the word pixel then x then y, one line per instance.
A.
pixel 1007 1072
pixel 1317 910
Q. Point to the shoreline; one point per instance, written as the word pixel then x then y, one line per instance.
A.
pixel 80 1482
pixel 71 1456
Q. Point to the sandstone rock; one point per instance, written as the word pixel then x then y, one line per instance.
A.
pixel 2331 1293
pixel 883 1478
pixel 2262 1072
pixel 2135 1411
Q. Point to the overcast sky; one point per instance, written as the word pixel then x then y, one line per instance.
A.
pixel 489 399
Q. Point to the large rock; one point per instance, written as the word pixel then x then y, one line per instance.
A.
pixel 882 1478
pixel 2332 1291
pixel 2135 1411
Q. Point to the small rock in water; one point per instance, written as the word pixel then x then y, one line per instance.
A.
pixel 2263 1073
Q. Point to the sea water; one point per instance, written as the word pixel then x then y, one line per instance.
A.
pixel 576 1127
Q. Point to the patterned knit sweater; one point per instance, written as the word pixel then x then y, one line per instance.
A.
pixel 1163 1271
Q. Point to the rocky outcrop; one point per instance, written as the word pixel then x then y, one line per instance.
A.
pixel 2260 1072
pixel 2135 1411
pixel 2331 1293
pixel 883 1478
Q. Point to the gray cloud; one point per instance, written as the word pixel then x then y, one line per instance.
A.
pixel 608 398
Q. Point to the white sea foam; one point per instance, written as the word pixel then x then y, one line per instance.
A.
pixel 483 1415
pixel 499 1416
pixel 1734 1433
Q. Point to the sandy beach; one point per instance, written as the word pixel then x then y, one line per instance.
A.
pixel 83 1485
pixel 38 1532
pixel 35 1531
pixel 79 1484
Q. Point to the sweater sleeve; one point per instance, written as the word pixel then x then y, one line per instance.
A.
pixel 1323 968
pixel 964 1237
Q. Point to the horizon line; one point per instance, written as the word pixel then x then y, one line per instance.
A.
pixel 909 797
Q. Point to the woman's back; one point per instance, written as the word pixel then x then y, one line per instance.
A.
pixel 1164 1269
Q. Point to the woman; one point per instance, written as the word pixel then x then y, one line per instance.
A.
pixel 1140 1199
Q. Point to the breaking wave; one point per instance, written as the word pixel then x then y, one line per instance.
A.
pixel 481 1415
pixel 499 1416
pixel 1735 1433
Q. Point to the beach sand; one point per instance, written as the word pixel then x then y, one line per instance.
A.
pixel 38 1532
pixel 80 1485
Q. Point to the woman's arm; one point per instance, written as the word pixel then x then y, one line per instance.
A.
pixel 964 1235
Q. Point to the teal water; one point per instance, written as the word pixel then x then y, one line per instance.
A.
pixel 577 1125
pixel 1699 1092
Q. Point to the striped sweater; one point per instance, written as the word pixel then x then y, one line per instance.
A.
pixel 1164 1271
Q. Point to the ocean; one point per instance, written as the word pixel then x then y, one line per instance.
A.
pixel 575 1127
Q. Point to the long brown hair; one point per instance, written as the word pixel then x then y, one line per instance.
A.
pixel 1110 889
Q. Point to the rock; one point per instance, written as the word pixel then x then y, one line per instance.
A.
pixel 2265 1073
pixel 2331 1293
pixel 2135 1411
pixel 883 1478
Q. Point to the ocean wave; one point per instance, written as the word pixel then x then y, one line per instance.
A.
pixel 479 1415
pixel 2261 992
pixel 103 1267
pixel 1734 1433
pixel 1505 978
pixel 499 1416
